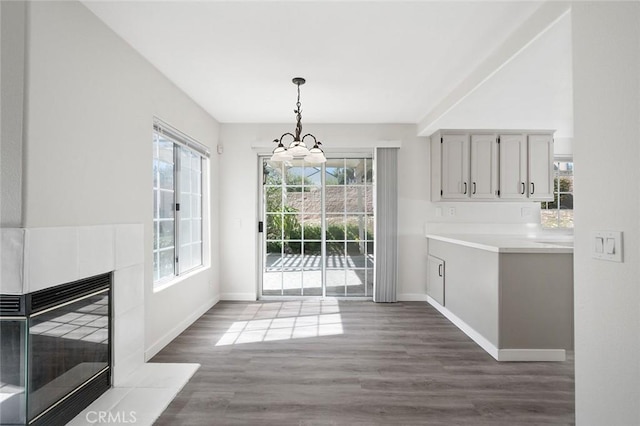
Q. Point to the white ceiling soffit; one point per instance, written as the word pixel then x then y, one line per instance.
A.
pixel 526 85
pixel 365 62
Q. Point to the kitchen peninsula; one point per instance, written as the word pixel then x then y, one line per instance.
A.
pixel 513 295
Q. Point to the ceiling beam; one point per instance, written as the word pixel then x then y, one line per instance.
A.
pixel 542 19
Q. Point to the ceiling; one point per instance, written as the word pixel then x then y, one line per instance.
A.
pixel 365 62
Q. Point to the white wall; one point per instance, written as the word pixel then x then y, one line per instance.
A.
pixel 606 81
pixel 532 90
pixel 239 206
pixel 11 115
pixel 88 154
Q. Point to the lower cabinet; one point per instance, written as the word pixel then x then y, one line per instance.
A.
pixel 435 279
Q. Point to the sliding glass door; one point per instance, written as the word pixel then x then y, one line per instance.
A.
pixel 318 223
pixel 292 245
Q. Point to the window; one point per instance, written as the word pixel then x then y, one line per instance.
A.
pixel 179 164
pixel 559 212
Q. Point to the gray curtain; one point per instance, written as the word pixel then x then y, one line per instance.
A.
pixel 386 236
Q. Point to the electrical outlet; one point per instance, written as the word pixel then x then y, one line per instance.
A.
pixel 452 211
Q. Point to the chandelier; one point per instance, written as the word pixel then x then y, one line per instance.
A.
pixel 297 148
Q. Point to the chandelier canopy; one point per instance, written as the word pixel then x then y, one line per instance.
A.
pixel 297 148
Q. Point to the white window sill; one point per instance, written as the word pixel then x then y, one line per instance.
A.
pixel 163 285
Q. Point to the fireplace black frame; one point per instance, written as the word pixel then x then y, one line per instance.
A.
pixel 34 304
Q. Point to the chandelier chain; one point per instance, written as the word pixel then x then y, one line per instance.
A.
pixel 298 116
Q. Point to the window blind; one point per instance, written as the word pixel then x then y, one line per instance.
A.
pixel 180 138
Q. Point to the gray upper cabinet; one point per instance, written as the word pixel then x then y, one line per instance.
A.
pixel 513 167
pixel 484 166
pixel 491 165
pixel 540 167
pixel 455 166
pixel 526 166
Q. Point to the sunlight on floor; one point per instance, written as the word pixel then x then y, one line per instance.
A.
pixel 283 321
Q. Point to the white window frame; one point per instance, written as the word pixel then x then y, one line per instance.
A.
pixel 181 142
pixel 351 154
pixel 557 175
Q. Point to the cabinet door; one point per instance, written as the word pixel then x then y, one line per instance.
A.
pixel 435 279
pixel 540 167
pixel 484 166
pixel 513 167
pixel 455 166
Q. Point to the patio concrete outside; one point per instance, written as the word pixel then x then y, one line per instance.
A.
pixel 301 275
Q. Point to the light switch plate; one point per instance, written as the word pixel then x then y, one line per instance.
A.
pixel 607 245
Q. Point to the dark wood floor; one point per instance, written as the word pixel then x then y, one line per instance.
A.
pixel 354 363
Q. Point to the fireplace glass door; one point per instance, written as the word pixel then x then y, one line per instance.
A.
pixel 68 346
pixel 13 400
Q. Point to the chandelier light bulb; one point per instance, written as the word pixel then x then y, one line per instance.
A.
pixel 298 149
pixel 281 153
pixel 316 155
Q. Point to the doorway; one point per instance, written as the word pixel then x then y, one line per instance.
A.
pixel 318 228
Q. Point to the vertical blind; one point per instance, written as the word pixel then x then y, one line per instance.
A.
pixel 386 225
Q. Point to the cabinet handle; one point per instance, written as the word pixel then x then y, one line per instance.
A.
pixel 533 188
pixel 465 188
pixel 440 270
pixel 523 187
pixel 474 187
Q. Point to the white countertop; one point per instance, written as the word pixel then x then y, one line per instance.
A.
pixel 510 243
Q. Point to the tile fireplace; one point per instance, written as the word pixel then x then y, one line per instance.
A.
pixel 72 318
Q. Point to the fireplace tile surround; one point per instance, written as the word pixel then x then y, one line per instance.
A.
pixel 38 258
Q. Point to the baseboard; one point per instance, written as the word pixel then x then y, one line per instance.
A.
pixel 412 297
pixel 152 350
pixel 532 355
pixel 245 297
pixel 466 329
pixel 250 297
pixel 499 354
